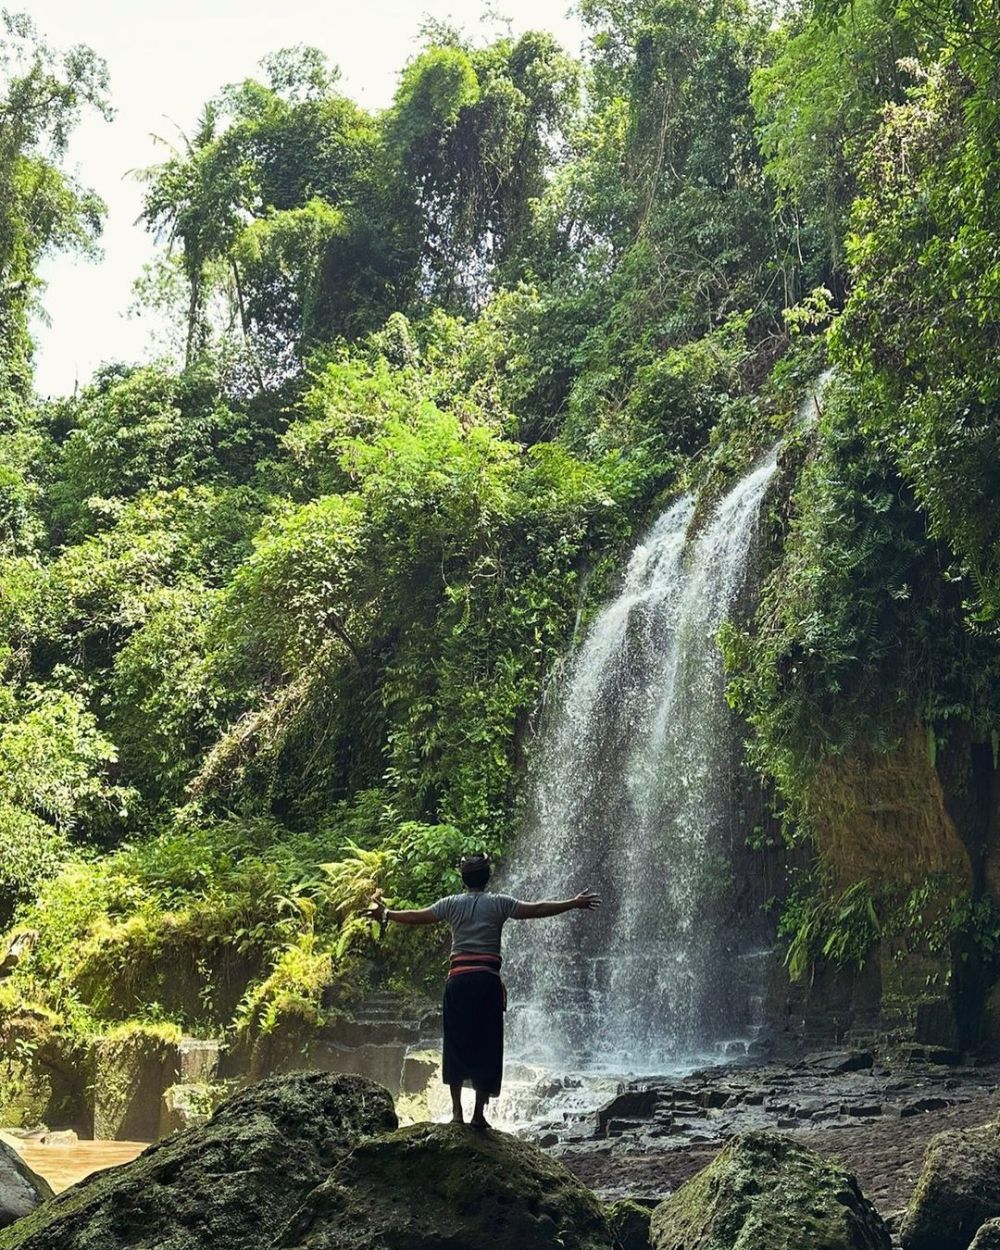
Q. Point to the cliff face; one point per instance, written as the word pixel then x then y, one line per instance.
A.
pixel 869 697
pixel 884 818
pixel 918 826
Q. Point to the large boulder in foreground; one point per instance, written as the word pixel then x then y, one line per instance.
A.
pixel 988 1237
pixel 21 1189
pixel 766 1192
pixel 448 1187
pixel 958 1189
pixel 229 1185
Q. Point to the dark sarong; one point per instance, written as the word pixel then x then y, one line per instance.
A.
pixel 473 1031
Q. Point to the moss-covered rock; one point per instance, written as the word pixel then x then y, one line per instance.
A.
pixel 988 1237
pixel 766 1192
pixel 228 1185
pixel 447 1187
pixel 629 1225
pixel 190 1104
pixel 958 1190
pixel 21 1189
pixel 881 816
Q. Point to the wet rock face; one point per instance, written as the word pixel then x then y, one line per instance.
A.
pixel 958 1190
pixel 21 1189
pixel 447 1187
pixel 228 1185
pixel 766 1192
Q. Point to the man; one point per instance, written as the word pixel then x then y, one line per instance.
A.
pixel 474 996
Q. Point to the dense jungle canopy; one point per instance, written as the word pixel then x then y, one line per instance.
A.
pixel 277 616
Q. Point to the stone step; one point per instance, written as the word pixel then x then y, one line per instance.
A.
pixel 618 1128
pixel 370 1032
pixel 389 1017
pixel 198 1059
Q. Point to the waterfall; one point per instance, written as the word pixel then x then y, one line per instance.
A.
pixel 635 793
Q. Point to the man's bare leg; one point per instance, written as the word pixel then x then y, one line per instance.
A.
pixel 456 1104
pixel 478 1118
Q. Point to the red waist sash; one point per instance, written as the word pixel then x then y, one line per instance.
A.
pixel 474 963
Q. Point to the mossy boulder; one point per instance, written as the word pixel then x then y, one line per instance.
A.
pixel 227 1185
pixel 21 1189
pixel 629 1225
pixel 448 1187
pixel 766 1192
pixel 958 1190
pixel 988 1237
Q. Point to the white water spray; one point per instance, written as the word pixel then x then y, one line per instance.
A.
pixel 634 794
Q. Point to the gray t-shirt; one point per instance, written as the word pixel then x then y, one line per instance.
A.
pixel 476 920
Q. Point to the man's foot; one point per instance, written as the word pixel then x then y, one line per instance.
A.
pixel 457 1117
pixel 480 1122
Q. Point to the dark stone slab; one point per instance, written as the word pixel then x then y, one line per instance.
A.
pixel 835 1062
pixel 629 1103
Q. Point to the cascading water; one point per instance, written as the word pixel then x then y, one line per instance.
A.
pixel 635 794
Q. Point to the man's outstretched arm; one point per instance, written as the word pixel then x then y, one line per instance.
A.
pixel 381 913
pixel 587 901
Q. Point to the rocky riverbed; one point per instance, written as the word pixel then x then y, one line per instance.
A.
pixel 877 1118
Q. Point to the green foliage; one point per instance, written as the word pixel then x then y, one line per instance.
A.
pixel 921 317
pixel 42 209
pixel 138 431
pixel 857 630
pixel 174 928
pixel 841 930
pixel 675 400
pixel 31 850
pixel 165 702
pixel 818 102
pixel 433 584
pixel 471 130
pixel 939 915
pixel 257 199
pixel 293 603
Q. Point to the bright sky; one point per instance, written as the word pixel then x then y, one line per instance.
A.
pixel 166 57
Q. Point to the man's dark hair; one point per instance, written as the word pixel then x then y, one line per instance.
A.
pixel 475 870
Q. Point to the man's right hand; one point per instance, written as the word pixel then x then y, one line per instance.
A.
pixel 376 909
pixel 587 900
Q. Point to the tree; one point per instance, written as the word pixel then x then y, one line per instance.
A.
pixel 260 200
pixel 42 94
pixel 921 318
pixel 475 132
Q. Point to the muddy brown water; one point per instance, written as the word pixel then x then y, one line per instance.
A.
pixel 64 1163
